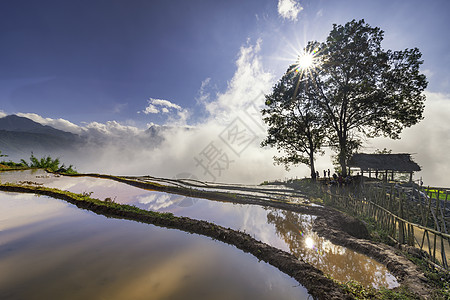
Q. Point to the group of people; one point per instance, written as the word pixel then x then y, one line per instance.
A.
pixel 325 172
pixel 336 179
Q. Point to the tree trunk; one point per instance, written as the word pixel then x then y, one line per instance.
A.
pixel 343 155
pixel 311 166
pixel 343 163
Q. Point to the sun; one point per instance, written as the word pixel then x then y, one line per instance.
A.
pixel 306 61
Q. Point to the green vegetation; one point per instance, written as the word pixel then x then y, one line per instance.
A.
pixel 45 162
pixel 10 165
pixel 48 163
pixel 433 193
pixel 360 292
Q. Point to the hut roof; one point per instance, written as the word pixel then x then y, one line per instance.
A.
pixel 393 162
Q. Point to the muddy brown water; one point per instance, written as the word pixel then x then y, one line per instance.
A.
pixel 52 250
pixel 286 230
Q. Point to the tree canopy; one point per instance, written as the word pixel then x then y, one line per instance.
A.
pixel 353 89
pixel 294 122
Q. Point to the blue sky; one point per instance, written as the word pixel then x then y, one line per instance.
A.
pixel 87 61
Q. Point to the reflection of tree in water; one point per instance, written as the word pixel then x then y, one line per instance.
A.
pixel 341 263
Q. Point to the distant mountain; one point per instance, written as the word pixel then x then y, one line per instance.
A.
pixel 20 136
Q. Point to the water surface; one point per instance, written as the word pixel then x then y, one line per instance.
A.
pixel 50 249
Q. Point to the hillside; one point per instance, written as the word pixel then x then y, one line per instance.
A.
pixel 20 136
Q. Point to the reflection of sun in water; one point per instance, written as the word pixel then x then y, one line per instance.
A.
pixel 309 242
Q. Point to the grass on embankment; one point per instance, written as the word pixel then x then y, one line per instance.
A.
pixel 11 166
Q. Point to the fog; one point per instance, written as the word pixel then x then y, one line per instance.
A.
pixel 225 145
pixel 427 141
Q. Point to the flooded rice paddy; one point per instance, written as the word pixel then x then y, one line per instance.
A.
pixel 285 230
pixel 52 250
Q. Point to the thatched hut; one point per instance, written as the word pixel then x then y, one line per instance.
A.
pixel 384 163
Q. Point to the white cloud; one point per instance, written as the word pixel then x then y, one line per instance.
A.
pixel 183 116
pixel 203 95
pixel 159 105
pixel 289 9
pixel 111 128
pixel 164 103
pixel 2 114
pixel 150 109
pixel 178 118
pixel 60 124
pixel 247 86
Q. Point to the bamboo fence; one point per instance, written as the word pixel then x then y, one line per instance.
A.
pixel 410 215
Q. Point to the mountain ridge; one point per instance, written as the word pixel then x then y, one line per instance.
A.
pixel 16 123
pixel 19 136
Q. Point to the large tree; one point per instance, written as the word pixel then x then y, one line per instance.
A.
pixel 294 122
pixel 360 89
